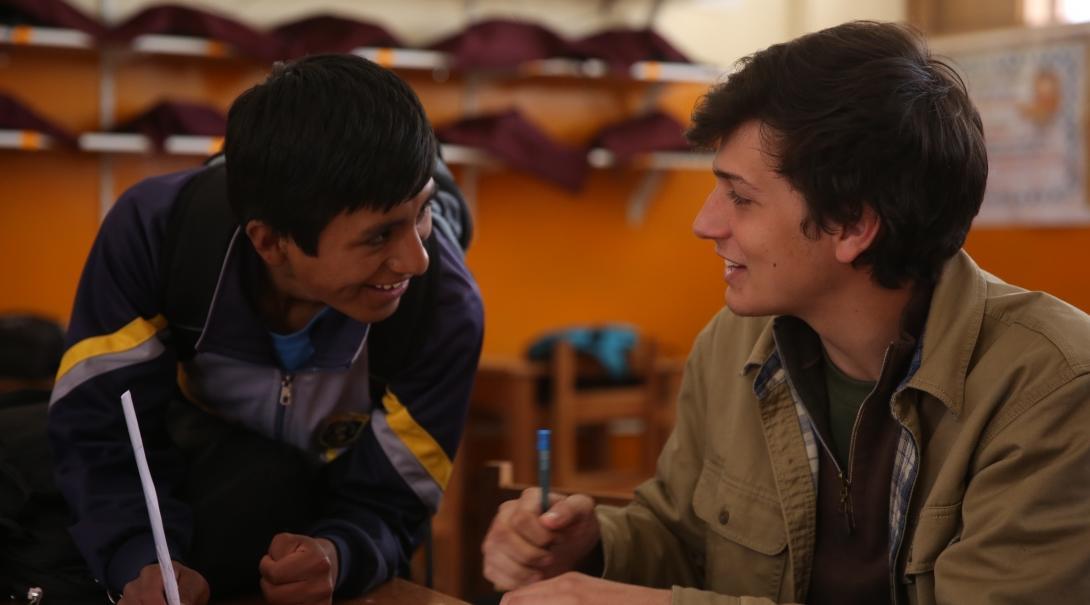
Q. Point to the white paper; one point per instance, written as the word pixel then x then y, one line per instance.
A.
pixel 170 583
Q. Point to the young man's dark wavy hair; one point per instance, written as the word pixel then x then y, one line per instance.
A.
pixel 324 135
pixel 862 114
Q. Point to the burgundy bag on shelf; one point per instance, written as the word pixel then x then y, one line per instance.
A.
pixel 16 116
pixel 330 34
pixel 620 48
pixel 654 131
pixel 47 13
pixel 186 21
pixel 501 44
pixel 175 117
pixel 520 144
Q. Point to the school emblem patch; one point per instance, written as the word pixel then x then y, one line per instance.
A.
pixel 342 429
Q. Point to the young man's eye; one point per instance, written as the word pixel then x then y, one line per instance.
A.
pixel 378 240
pixel 737 199
pixel 423 223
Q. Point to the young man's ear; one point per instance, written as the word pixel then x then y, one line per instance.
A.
pixel 853 240
pixel 267 242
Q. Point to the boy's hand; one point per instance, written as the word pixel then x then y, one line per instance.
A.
pixel 147 588
pixel 299 570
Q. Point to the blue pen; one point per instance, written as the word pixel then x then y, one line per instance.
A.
pixel 543 466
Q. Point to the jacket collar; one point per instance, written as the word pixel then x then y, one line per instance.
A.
pixel 941 362
pixel 950 334
pixel 233 327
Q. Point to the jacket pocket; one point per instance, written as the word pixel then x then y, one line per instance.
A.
pixel 936 528
pixel 745 538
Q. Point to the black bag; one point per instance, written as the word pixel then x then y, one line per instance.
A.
pixel 35 547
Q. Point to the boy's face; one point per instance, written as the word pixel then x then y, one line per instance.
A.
pixel 755 218
pixel 365 259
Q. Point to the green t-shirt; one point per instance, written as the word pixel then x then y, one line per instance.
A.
pixel 846 396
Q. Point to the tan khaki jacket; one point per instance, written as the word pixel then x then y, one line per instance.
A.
pixel 990 498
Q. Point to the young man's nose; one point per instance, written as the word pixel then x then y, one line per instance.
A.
pixel 410 257
pixel 713 220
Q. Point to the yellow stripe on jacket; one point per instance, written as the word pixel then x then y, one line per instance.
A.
pixel 420 443
pixel 134 334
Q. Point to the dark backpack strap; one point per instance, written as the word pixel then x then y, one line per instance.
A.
pixel 449 210
pixel 198 233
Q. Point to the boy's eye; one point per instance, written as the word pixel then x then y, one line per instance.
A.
pixel 379 239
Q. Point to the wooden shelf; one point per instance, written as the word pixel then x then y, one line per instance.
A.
pixel 114 142
pixel 654 71
pixel 180 45
pixel 644 71
pixel 394 58
pixel 123 143
pixel 26 140
pixel 657 160
pixel 25 35
pixel 404 58
pixel 110 142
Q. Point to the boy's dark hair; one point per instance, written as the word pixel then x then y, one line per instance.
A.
pixel 862 114
pixel 30 347
pixel 324 135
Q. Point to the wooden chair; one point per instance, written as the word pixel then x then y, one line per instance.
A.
pixel 574 406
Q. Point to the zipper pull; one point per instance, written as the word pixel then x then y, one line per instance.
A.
pixel 285 390
pixel 846 502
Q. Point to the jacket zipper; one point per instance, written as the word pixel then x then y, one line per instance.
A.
pixel 285 401
pixel 846 483
pixel 845 479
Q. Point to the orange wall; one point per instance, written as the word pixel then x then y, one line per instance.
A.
pixel 1054 260
pixel 543 257
pixel 48 216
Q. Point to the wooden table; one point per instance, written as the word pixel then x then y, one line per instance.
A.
pixel 394 592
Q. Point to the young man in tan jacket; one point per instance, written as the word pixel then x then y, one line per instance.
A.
pixel 873 418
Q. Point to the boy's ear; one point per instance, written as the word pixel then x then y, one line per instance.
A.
pixel 854 239
pixel 267 242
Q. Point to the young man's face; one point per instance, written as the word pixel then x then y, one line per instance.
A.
pixel 365 259
pixel 755 219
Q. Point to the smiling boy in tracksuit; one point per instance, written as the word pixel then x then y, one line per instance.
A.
pixel 264 418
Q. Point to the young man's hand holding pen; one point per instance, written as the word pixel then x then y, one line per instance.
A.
pixel 147 588
pixel 524 546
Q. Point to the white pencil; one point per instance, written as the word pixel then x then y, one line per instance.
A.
pixel 170 583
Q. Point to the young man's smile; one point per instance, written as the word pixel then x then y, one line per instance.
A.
pixel 733 269
pixel 386 292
